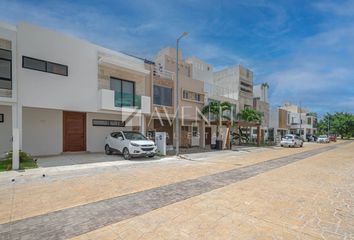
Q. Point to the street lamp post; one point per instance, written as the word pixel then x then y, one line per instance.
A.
pixel 177 94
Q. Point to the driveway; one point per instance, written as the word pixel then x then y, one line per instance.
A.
pixel 304 193
pixel 70 159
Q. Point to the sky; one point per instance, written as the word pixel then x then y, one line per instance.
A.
pixel 303 49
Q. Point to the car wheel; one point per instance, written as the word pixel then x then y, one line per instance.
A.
pixel 126 154
pixel 107 150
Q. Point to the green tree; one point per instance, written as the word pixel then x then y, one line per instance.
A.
pixel 250 115
pixel 343 124
pixel 323 126
pixel 217 110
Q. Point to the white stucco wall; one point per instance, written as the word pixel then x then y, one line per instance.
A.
pixel 96 134
pixel 201 70
pixel 5 130
pixel 77 91
pixel 42 131
pixel 274 118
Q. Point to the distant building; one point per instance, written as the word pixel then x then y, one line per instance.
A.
pixel 292 119
pixel 261 104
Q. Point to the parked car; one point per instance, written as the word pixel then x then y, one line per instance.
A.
pixel 323 139
pixel 291 140
pixel 130 144
pixel 311 138
pixel 333 138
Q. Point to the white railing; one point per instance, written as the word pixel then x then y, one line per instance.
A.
pixel 215 90
pixel 163 73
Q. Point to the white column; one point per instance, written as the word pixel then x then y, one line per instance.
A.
pixel 16 135
pixel 142 124
pixel 202 133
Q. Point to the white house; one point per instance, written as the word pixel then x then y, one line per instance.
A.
pixel 62 94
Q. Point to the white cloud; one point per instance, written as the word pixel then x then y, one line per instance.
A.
pixel 343 8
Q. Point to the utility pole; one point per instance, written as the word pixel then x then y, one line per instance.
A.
pixel 177 94
pixel 300 118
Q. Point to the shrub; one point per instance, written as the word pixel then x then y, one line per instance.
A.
pixel 23 156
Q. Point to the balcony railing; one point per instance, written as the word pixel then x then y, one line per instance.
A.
pixel 215 90
pixel 117 101
pixel 127 100
pixel 162 73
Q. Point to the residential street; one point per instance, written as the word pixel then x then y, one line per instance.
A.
pixel 264 193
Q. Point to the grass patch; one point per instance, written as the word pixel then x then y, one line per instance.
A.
pixel 26 162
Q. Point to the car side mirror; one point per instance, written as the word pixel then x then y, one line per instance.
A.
pixel 120 138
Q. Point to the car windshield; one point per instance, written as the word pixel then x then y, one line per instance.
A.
pixel 323 136
pixel 287 137
pixel 134 136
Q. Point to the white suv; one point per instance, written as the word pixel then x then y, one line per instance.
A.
pixel 291 140
pixel 130 144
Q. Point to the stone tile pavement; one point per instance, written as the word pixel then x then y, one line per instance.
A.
pixel 308 199
pixel 81 219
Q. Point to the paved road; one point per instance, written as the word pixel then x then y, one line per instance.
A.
pixel 100 215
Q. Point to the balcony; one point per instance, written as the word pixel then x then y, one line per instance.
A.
pixel 162 73
pixel 214 90
pixel 116 101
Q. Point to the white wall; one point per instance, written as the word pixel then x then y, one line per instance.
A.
pixel 274 118
pixel 42 131
pixel 77 91
pixel 201 70
pixel 96 135
pixel 228 78
pixel 5 130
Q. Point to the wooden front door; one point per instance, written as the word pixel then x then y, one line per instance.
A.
pixel 207 135
pixel 74 131
pixel 164 127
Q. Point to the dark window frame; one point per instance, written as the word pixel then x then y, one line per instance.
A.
pixel 2 118
pixel 121 87
pixel 110 123
pixel 8 60
pixel 161 100
pixel 58 64
pixel 46 66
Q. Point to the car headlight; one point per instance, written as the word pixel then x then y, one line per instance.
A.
pixel 134 144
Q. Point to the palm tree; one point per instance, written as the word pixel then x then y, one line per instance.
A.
pixel 266 85
pixel 217 109
pixel 250 115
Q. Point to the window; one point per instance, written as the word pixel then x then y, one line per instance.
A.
pixel 107 123
pixel 197 97
pixel 5 69
pixel 309 121
pixel 116 135
pixel 162 96
pixel 44 66
pixel 195 132
pixel 124 92
pixel 1 118
pixel 34 64
pixel 185 94
pixel 57 68
pixel 185 128
pixel 188 95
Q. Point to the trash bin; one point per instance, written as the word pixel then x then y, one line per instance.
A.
pixel 218 145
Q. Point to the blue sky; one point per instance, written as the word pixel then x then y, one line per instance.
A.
pixel 303 49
